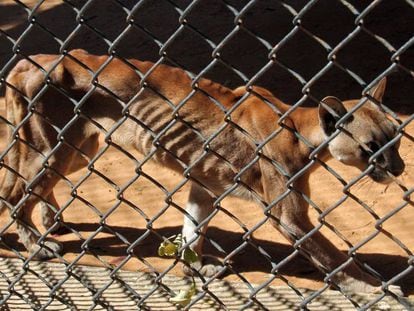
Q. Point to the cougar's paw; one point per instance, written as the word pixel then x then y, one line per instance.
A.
pixel 208 267
pixel 49 250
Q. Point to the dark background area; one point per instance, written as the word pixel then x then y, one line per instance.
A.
pixel 331 21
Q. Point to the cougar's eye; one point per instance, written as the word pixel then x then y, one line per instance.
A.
pixel 369 148
pixel 373 147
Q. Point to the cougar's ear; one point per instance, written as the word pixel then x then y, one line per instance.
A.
pixel 331 110
pixel 378 90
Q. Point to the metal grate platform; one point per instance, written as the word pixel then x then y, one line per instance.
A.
pixel 52 286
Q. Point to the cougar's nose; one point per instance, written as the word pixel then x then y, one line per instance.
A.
pixel 398 170
pixel 397 166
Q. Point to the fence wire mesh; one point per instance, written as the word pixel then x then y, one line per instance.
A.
pixel 115 212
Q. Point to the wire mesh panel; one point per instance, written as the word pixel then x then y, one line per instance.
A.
pixel 129 126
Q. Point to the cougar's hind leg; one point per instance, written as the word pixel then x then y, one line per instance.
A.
pixel 10 175
pixel 38 186
pixel 49 207
pixel 8 182
pixel 199 207
pixel 24 203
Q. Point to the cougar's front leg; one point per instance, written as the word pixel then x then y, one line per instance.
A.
pixel 199 207
pixel 291 218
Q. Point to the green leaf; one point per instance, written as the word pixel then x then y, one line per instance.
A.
pixel 178 240
pixel 161 250
pixel 183 298
pixel 190 256
pixel 167 248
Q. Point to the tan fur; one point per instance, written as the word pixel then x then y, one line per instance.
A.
pixel 148 113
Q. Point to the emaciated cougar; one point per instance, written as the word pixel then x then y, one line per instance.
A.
pixel 176 137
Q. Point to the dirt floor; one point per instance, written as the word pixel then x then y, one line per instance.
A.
pixel 350 219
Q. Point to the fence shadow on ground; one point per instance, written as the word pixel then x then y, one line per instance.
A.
pixel 385 264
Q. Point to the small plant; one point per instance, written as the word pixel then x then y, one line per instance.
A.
pixel 183 298
pixel 169 248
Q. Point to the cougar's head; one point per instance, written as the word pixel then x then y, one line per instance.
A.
pixel 365 136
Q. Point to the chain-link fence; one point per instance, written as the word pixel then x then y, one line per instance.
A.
pixel 104 158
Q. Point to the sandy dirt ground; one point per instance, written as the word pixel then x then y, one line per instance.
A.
pixel 350 219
